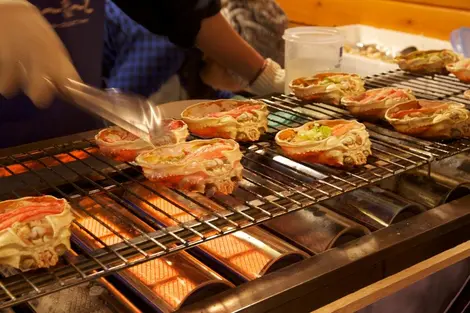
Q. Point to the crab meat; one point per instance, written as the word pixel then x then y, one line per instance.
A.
pixel 461 70
pixel 199 165
pixel 123 146
pixel 430 119
pixel 427 62
pixel 373 103
pixel 327 87
pixel 331 142
pixel 34 231
pixel 241 120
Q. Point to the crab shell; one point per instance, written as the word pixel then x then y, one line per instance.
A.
pixel 122 146
pixel 466 94
pixel 309 89
pixel 215 167
pixel 435 61
pixel 375 108
pixel 350 149
pixel 452 121
pixel 461 70
pixel 24 242
pixel 244 127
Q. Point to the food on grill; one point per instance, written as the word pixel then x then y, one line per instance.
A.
pixel 461 70
pixel 370 51
pixel 466 94
pixel 427 62
pixel 375 102
pixel 327 87
pixel 123 146
pixel 430 119
pixel 241 120
pixel 331 142
pixel 34 231
pixel 199 165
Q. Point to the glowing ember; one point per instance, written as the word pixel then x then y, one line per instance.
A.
pixel 16 169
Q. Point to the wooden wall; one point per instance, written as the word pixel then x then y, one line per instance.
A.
pixel 433 18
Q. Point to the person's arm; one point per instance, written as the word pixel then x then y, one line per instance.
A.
pixel 189 22
pixel 219 41
pixel 179 20
pixel 33 59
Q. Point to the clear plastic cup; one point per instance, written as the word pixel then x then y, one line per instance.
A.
pixel 310 50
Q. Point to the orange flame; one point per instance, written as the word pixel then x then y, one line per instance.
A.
pixel 16 169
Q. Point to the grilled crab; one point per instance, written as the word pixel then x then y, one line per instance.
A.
pixel 427 62
pixel 430 119
pixel 198 165
pixel 461 70
pixel 327 87
pixel 330 142
pixel 374 103
pixel 241 120
pixel 34 231
pixel 123 146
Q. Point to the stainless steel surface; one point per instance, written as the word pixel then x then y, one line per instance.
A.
pixel 273 185
pixel 247 254
pixel 316 229
pixel 166 283
pixel 135 114
pixel 375 207
pixel 451 172
pixel 312 283
pixel 428 191
pixel 116 299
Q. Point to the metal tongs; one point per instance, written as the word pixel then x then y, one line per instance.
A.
pixel 134 114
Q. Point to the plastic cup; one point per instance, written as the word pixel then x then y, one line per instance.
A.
pixel 310 50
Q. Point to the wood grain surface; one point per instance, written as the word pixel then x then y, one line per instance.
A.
pixel 424 17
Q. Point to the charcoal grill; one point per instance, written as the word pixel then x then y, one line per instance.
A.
pixel 273 185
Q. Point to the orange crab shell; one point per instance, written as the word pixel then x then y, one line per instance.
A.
pixel 466 94
pixel 20 221
pixel 461 70
pixel 122 146
pixel 349 147
pixel 376 107
pixel 241 120
pixel 197 165
pixel 435 63
pixel 446 119
pixel 309 89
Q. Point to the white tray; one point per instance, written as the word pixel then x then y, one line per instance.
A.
pixel 393 40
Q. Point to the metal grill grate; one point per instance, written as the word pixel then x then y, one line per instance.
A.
pixel 273 185
pixel 436 87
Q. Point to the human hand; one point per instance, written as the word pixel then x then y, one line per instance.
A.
pixel 270 80
pixel 220 78
pixel 32 56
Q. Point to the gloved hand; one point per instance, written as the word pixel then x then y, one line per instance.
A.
pixel 270 80
pixel 32 56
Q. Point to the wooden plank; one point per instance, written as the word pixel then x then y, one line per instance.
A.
pixel 455 4
pixel 390 285
pixel 402 16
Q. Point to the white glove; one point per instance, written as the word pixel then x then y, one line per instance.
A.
pixel 32 56
pixel 270 80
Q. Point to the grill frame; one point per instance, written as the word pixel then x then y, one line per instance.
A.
pixel 284 189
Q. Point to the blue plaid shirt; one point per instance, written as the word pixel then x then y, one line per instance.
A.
pixel 137 61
